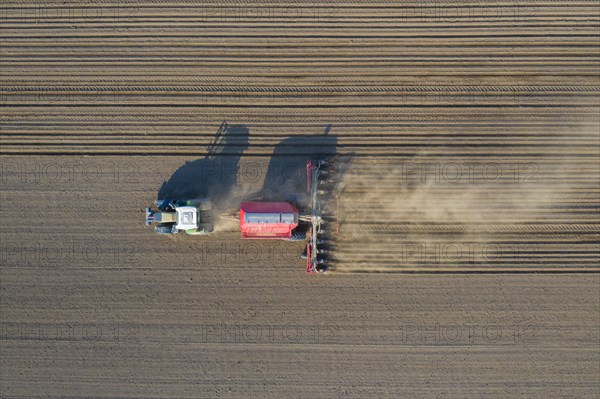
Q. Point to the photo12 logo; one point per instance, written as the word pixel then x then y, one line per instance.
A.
pixel 85 12
pixel 455 11
pixel 465 252
pixel 67 253
pixel 253 171
pixel 245 95
pixel 247 12
pixel 269 333
pixel 468 333
pixel 114 94
pixel 55 172
pixel 95 332
pixel 469 172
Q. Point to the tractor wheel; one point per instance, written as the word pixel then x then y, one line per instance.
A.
pixel 202 230
pixel 323 267
pixel 163 205
pixel 206 227
pixel 204 205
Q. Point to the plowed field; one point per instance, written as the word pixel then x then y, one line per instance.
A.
pixel 468 249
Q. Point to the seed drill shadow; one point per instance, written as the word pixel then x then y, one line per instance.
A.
pixel 285 178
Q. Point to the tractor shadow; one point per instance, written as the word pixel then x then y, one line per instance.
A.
pixel 214 176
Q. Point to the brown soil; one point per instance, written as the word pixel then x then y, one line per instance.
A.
pixel 468 247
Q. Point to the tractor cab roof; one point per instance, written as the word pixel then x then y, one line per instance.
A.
pixel 187 217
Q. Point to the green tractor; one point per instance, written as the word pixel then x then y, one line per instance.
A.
pixel 181 216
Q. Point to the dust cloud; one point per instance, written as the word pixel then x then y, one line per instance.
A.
pixel 453 200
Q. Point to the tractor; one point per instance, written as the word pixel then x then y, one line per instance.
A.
pixel 180 216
